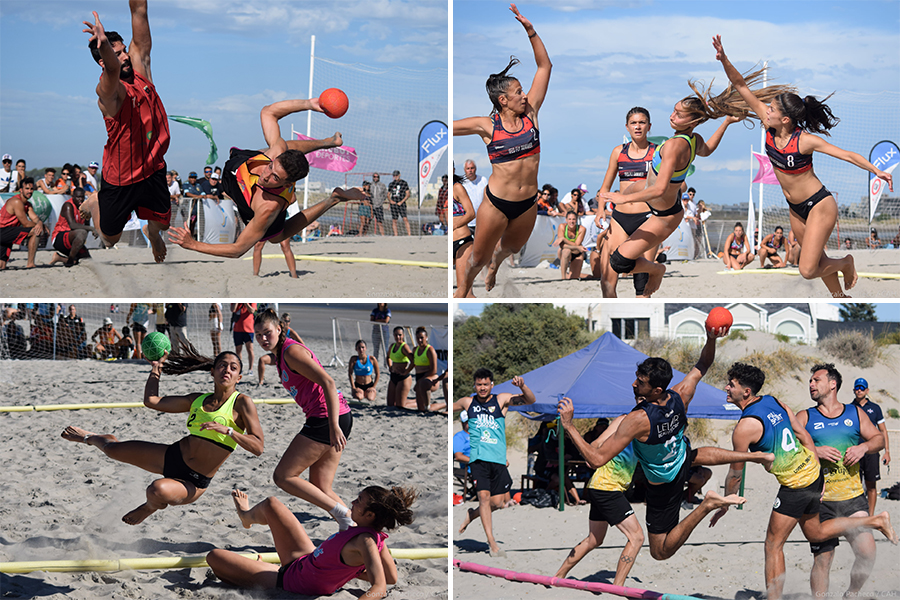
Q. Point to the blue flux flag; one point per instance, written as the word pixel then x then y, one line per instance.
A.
pixel 433 139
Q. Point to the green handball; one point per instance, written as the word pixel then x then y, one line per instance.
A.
pixel 155 344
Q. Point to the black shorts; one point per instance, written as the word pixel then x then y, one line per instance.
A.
pixel 630 222
pixel 316 428
pixel 398 211
pixel 62 243
pixel 511 210
pixel 378 213
pixel 458 244
pixel 802 209
pixel 397 377
pixel 804 501
pixel 365 386
pixel 174 467
pixel 9 237
pixel 833 510
pixel 230 186
pixel 162 328
pixel 664 500
pixel 150 198
pixel 138 327
pixel 611 507
pixel 489 476
pixel 868 467
pixel 242 337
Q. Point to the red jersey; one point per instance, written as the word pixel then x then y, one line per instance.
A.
pixel 8 219
pixel 138 135
pixel 62 225
pixel 788 159
pixel 513 145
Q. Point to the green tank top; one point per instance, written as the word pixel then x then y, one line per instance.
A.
pixel 396 355
pixel 421 360
pixel 224 416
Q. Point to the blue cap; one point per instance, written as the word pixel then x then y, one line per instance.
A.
pixel 685 196
pixel 860 384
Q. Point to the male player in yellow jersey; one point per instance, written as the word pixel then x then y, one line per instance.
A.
pixel 768 425
pixel 261 183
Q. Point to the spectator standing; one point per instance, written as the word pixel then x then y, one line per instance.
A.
pixel 379 195
pixel 20 225
pixel 160 311
pixel 398 194
pixel 7 175
pixel 139 317
pixel 868 464
pixel 380 314
pixel 474 184
pixel 242 330
pixel 174 192
pixel 91 176
pixel 176 318
pixel 441 207
pixel 215 327
pixel 193 194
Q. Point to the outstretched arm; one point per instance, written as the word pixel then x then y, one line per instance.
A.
pixel 737 80
pixel 108 88
pixel 688 386
pixel 542 77
pixel 705 148
pixel 809 143
pixel 265 213
pixel 271 114
pixel 152 399
pixel 139 50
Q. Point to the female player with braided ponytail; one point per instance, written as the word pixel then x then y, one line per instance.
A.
pixel 790 122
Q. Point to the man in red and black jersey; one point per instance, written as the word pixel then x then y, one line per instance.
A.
pixel 134 166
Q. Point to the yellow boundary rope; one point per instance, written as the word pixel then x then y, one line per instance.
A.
pixel 795 272
pixel 361 259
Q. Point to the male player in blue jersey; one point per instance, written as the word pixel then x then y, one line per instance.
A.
pixel 768 425
pixel 656 426
pixel 487 438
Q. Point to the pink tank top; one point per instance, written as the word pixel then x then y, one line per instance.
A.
pixel 309 395
pixel 323 572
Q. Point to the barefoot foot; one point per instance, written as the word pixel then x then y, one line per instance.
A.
pixel 490 276
pixel 656 276
pixel 849 272
pixel 242 504
pixel 139 514
pixel 468 519
pixel 158 246
pixel 714 501
pixel 886 528
pixel 76 434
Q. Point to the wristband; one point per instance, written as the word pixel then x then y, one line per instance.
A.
pixel 532 35
pixel 230 431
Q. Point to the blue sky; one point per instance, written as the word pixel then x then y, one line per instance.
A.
pixel 610 56
pixel 220 60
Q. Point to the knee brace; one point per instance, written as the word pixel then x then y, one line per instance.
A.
pixel 620 264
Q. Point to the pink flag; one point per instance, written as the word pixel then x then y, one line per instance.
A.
pixel 766 173
pixel 341 159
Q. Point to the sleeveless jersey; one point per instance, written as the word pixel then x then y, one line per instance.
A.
pixel 506 146
pixel 363 369
pixel 487 430
pixel 247 181
pixel 224 415
pixel 421 359
pixel 566 232
pixel 458 209
pixel 841 482
pixel 8 219
pixel 794 467
pixel 322 572
pixel 396 355
pixel 681 174
pixel 615 476
pixel 138 135
pixel 738 246
pixel 771 244
pixel 62 225
pixel 664 452
pixel 307 394
pixel 789 159
pixel 631 169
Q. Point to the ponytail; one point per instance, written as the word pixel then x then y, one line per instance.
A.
pixel 730 102
pixel 809 113
pixel 188 359
pixel 498 83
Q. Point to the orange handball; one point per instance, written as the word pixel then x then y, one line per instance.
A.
pixel 334 102
pixel 719 317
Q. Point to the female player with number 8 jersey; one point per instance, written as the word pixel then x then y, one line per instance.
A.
pixel 790 121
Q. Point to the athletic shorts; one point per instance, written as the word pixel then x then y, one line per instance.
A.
pixel 174 467
pixel 317 430
pixel 398 211
pixel 150 198
pixel 138 328
pixel 868 467
pixel 833 510
pixel 9 237
pixel 611 507
pixel 795 503
pixel 397 377
pixel 242 337
pixel 664 500
pixel 62 243
pixel 802 209
pixel 378 213
pixel 489 476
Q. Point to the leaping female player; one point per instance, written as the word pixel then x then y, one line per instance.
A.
pixel 511 135
pixel 790 123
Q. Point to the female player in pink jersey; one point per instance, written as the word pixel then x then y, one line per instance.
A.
pixel 511 133
pixel 319 444
pixel 359 552
pixel 790 122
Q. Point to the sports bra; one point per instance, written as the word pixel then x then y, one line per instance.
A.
pixel 631 169
pixel 771 244
pixel 506 146
pixel 681 174
pixel 396 355
pixel 566 232
pixel 421 360
pixel 247 181
pixel 738 246
pixel 224 415
pixel 788 159
pixel 363 369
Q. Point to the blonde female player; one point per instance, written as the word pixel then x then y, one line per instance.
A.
pixel 359 552
pixel 790 122
pixel 218 423
pixel 513 144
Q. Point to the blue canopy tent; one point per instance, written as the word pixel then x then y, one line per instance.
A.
pixel 598 379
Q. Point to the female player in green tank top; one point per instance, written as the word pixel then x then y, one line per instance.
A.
pixel 188 465
pixel 427 380
pixel 400 364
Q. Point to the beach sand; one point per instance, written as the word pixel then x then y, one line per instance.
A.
pixel 725 561
pixel 64 501
pixel 129 271
pixel 701 279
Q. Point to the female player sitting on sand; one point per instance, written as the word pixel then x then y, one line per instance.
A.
pixel 261 183
pixel 364 373
pixel 511 133
pixel 400 366
pixel 738 252
pixel 463 214
pixel 769 247
pixel 790 122
pixel 218 423
pixel 662 192
pixel 359 552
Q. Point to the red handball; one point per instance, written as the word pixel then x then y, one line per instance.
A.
pixel 719 317
pixel 334 102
